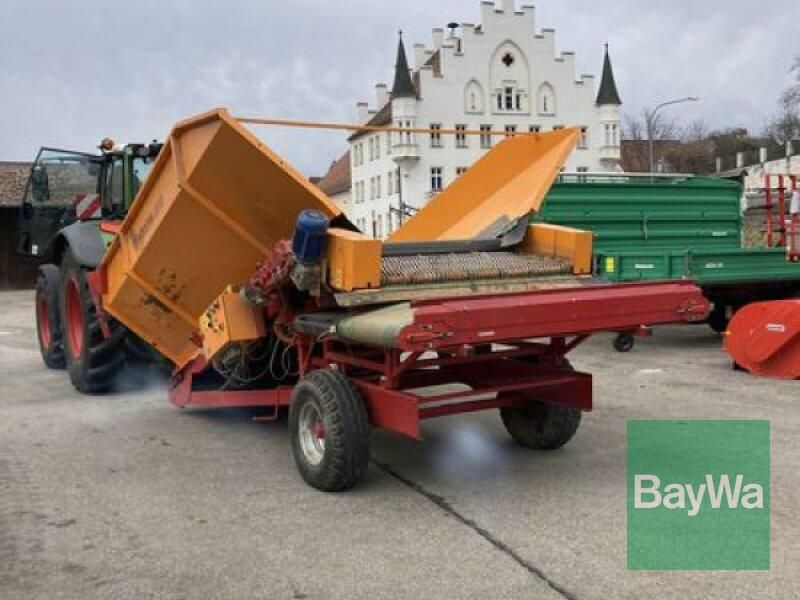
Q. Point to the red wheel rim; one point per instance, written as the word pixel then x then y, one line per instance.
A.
pixel 43 316
pixel 74 325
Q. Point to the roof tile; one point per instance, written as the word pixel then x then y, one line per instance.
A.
pixel 13 178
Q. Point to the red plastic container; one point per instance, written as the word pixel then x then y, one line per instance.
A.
pixel 764 339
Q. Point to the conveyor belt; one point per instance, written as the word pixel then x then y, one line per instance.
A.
pixel 440 268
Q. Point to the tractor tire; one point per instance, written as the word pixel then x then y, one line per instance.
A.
pixel 138 351
pixel 93 361
pixel 624 342
pixel 48 318
pixel 329 429
pixel 718 319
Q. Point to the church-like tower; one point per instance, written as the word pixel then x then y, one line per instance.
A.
pixel 608 105
pixel 403 98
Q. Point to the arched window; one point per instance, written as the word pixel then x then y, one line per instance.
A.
pixel 509 79
pixel 546 102
pixel 473 98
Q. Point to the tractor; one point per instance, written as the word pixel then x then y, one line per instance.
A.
pixel 73 205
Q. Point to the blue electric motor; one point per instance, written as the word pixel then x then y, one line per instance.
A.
pixel 310 236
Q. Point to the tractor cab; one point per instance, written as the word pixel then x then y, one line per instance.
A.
pixel 65 187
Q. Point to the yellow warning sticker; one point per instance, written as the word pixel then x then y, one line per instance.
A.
pixel 609 264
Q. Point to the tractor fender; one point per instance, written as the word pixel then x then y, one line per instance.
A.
pixel 84 241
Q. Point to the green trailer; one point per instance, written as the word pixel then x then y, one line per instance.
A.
pixel 654 227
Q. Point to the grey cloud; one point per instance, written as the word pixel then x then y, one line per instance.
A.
pixel 74 72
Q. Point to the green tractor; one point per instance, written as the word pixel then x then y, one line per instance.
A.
pixel 73 204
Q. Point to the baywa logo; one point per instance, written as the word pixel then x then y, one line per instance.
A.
pixel 698 495
pixel 648 494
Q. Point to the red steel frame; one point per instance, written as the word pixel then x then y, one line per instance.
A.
pixel 482 343
pixel 787 228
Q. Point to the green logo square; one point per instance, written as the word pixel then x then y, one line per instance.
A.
pixel 698 495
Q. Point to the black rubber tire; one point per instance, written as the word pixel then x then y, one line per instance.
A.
pixel 346 430
pixel 101 359
pixel 624 342
pixel 138 351
pixel 51 344
pixel 541 425
pixel 718 319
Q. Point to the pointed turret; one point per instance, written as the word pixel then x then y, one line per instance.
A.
pixel 608 94
pixel 403 86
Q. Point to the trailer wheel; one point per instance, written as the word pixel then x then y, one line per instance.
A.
pixel 624 342
pixel 48 319
pixel 93 361
pixel 541 425
pixel 329 429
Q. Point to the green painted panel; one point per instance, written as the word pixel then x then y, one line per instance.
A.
pixel 642 266
pixel 641 214
pixel 743 265
pixel 723 266
pixel 664 228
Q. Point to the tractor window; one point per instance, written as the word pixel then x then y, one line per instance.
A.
pixel 114 194
pixel 59 177
pixel 60 183
pixel 141 167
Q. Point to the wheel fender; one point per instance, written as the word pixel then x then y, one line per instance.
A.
pixel 84 240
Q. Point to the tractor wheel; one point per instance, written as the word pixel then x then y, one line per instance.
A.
pixel 48 319
pixel 329 430
pixel 541 425
pixel 719 318
pixel 93 360
pixel 624 342
pixel 140 352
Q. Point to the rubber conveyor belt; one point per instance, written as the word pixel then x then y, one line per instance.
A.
pixel 440 268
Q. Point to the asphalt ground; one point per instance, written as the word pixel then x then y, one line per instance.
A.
pixel 124 496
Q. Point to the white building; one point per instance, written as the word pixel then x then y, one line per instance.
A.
pixel 497 76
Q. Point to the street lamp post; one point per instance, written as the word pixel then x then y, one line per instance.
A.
pixel 651 118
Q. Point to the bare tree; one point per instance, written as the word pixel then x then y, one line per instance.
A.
pixel 791 97
pixel 785 126
pixel 695 131
pixel 635 147
pixel 633 128
pixel 663 127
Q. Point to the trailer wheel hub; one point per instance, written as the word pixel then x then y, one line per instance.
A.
pixel 311 434
pixel 74 324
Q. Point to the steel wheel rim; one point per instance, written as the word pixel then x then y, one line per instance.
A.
pixel 43 314
pixel 311 434
pixel 74 325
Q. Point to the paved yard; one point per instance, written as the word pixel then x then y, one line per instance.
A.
pixel 124 496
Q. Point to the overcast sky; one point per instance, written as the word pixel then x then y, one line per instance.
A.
pixel 75 71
